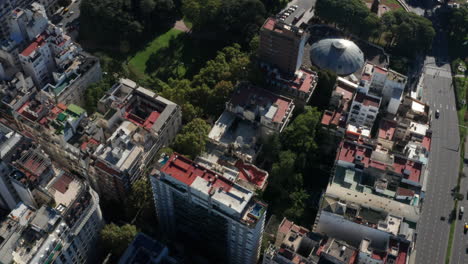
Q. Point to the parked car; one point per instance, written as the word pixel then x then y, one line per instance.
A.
pixel 460 212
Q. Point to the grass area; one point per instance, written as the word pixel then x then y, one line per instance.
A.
pixel 173 54
pixel 138 63
pixel 461 85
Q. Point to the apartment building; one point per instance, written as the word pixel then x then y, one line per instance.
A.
pixel 14 93
pixel 73 77
pixel 45 54
pixel 11 144
pixel 199 207
pixel 9 9
pixel 252 113
pixel 64 233
pixel 389 84
pixel 364 109
pixel 300 86
pixel 140 123
pixel 282 45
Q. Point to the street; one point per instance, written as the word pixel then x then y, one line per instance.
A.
pixel 69 18
pixel 438 93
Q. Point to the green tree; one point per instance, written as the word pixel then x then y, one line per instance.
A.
pixel 115 239
pixel 96 91
pixel 192 139
pixel 298 205
pixel 140 198
pixel 323 90
pixel 410 33
pixel 299 136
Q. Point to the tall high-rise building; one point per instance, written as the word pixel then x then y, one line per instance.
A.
pixel 204 208
pixel 282 45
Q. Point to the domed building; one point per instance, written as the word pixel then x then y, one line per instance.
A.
pixel 338 55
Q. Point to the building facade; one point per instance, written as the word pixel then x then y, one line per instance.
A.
pixel 200 206
pixel 282 45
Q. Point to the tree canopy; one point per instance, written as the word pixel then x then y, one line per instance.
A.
pixel 123 22
pixel 410 32
pixel 192 139
pixel 291 154
pixel 115 239
pixel 458 31
pixel 207 92
pixel 351 15
pixel 231 20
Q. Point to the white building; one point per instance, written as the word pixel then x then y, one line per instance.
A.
pixel 386 83
pixel 37 61
pixel 364 109
pixel 198 205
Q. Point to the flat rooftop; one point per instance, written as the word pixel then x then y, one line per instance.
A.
pixel 231 197
pixel 351 152
pixel 275 106
pixel 366 99
pixel 387 129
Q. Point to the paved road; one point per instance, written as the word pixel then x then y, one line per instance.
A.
pixel 69 17
pixel 444 157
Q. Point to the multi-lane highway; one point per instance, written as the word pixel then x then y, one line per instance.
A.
pixel 438 93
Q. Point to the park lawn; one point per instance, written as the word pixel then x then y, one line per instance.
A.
pixel 138 63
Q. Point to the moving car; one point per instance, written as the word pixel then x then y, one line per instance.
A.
pixel 460 212
pixel 465 227
pixel 437 113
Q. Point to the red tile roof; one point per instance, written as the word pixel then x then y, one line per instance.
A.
pixel 409 167
pixel 186 171
pixel 427 142
pixel 38 42
pixel 387 129
pixel 404 192
pixel 63 182
pixel 269 23
pixel 348 152
pixel 252 174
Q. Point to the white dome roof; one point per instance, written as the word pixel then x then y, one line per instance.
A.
pixel 339 55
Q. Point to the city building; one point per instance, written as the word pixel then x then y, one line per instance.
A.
pixel 144 249
pixel 282 45
pixel 10 8
pixel 73 77
pixel 252 113
pixel 293 244
pixel 388 84
pixel 65 232
pixel 12 144
pixel 46 54
pixel 14 93
pixel 364 109
pixel 300 87
pixel 335 117
pixel 204 209
pixel 138 123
